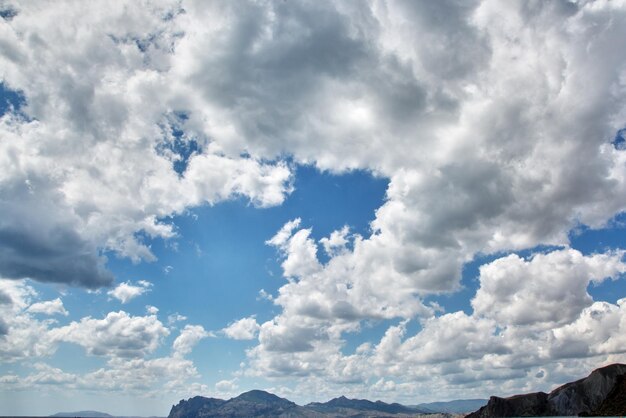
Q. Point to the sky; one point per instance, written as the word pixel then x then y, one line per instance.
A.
pixel 400 200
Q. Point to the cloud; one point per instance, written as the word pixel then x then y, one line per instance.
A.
pixel 242 329
pixel 502 154
pixel 4 328
pixel 480 114
pixel 188 338
pixel 24 336
pixel 139 376
pixel 77 135
pixel 125 341
pixel 227 386
pixel 50 307
pixel 116 335
pixel 548 288
pixel 125 292
pixel 336 243
pixel 45 248
pixel 457 352
pixel 443 108
pixel 176 317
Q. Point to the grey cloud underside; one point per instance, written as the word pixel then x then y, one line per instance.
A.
pixel 39 242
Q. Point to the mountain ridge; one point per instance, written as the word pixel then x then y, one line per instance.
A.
pixel 261 404
pixel 457 406
pixel 600 393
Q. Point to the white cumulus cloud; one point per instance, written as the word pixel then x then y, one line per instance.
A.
pixel 49 307
pixel 242 329
pixel 124 292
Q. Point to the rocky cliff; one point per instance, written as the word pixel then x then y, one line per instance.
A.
pixel 602 390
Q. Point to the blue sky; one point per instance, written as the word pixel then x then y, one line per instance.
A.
pixel 406 201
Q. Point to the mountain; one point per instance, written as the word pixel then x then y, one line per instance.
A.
pixel 198 406
pixel 459 406
pixel 260 404
pixel 343 403
pixel 255 403
pixel 603 392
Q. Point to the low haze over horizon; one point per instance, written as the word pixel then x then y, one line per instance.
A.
pixel 410 201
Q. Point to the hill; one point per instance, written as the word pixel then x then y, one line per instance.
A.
pixel 459 406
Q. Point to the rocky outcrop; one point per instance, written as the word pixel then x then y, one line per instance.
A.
pixel 197 406
pixel 599 391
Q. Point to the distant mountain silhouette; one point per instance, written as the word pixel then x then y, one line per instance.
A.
pixel 337 404
pixel 255 403
pixel 260 404
pixel 82 414
pixel 92 414
pixel 459 406
pixel 603 392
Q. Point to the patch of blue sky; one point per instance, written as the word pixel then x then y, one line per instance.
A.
pixel 611 238
pixel 10 100
pixel 7 12
pixel 213 272
pixel 619 141
pixel 71 358
pixel 221 249
pixel 176 143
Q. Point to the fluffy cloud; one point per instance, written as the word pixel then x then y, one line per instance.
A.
pixel 49 307
pixel 126 291
pixel 78 135
pixel 474 138
pixel 243 329
pixel 138 376
pixel 188 338
pixel 549 288
pixel 492 121
pixel 499 346
pixel 24 336
pixel 124 340
pixel 118 334
pixel 506 150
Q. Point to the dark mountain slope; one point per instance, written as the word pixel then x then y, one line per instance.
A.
pixel 601 390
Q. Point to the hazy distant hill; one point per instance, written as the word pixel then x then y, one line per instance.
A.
pixel 82 414
pixel 602 393
pixel 459 406
pixel 341 403
pixel 260 404
pixel 91 414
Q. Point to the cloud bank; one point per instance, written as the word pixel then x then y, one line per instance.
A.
pixel 493 121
